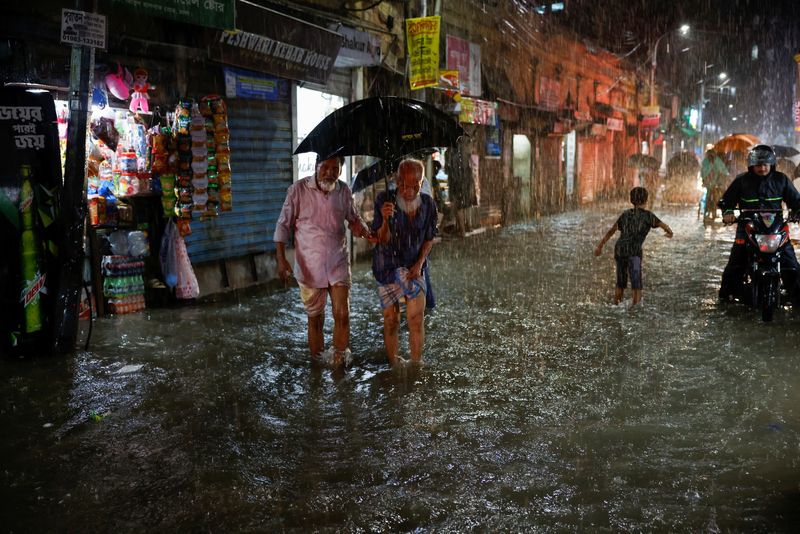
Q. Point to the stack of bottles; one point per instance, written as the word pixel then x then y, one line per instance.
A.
pixel 123 284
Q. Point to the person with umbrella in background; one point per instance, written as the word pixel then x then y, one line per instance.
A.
pixel 315 210
pixel 760 187
pixel 714 174
pixel 405 237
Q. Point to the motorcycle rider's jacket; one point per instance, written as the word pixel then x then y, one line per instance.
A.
pixel 751 191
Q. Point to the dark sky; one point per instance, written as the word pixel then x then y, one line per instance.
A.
pixel 724 35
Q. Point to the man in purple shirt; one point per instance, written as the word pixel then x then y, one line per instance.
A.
pixel 315 210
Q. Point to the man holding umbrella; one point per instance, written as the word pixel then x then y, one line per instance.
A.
pixel 405 237
pixel 315 210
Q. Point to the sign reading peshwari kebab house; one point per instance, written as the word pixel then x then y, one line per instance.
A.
pixel 270 42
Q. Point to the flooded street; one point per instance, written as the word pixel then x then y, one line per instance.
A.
pixel 540 406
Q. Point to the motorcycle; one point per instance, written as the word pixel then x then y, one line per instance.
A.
pixel 766 236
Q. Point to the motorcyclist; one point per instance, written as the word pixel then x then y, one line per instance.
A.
pixel 760 187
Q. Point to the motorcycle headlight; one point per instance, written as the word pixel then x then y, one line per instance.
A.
pixel 770 242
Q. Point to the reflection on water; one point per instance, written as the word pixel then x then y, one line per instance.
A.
pixel 540 405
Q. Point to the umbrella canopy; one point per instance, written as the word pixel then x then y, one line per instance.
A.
pixel 383 126
pixel 643 161
pixel 379 170
pixel 683 162
pixel 785 151
pixel 739 142
pixel 382 169
pixel 786 166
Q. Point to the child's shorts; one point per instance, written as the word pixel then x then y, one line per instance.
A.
pixel 632 265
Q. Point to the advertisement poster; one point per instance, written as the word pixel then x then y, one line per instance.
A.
pixel 493 147
pixel 465 57
pixel 422 38
pixel 30 184
pixel 247 84
pixel 475 111
pixel 549 93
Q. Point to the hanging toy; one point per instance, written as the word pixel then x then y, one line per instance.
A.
pixel 118 83
pixel 140 87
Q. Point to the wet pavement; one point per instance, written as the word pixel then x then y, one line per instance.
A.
pixel 540 406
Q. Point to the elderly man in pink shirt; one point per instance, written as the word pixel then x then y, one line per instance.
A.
pixel 315 210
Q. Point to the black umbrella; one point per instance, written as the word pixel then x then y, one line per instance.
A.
pixel 785 151
pixel 386 127
pixel 377 171
pixel 382 169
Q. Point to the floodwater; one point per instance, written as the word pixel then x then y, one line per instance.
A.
pixel 540 406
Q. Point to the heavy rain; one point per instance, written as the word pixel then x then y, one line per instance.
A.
pixel 189 400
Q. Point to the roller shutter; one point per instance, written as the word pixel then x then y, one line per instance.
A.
pixel 261 161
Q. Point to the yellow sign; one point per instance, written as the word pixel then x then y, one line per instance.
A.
pixel 422 38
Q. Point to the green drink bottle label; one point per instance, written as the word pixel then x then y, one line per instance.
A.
pixel 33 279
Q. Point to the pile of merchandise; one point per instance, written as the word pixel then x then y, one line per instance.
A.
pixel 123 270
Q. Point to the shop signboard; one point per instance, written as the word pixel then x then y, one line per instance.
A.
pixel 79 28
pixel 422 38
pixel 270 42
pixel 651 116
pixel 359 49
pixel 615 125
pixel 465 57
pixel 208 13
pixel 254 85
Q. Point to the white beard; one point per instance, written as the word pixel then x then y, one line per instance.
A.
pixel 327 187
pixel 409 207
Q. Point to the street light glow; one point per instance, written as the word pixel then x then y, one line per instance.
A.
pixel 684 29
pixel 723 75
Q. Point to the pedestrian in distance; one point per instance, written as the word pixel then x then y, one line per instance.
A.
pixel 715 179
pixel 633 225
pixel 405 226
pixel 315 211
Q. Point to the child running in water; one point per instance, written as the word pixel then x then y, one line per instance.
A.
pixel 633 225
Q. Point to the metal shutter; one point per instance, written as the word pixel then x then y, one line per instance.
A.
pixel 261 161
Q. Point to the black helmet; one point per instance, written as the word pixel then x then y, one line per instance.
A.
pixel 761 155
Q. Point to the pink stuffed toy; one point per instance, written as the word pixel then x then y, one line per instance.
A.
pixel 118 82
pixel 139 97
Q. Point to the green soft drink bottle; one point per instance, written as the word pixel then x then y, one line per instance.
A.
pixel 32 276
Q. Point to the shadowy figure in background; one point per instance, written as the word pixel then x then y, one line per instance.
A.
pixel 405 237
pixel 634 225
pixel 461 186
pixel 315 210
pixel 714 174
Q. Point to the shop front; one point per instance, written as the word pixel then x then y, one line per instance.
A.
pixel 189 142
